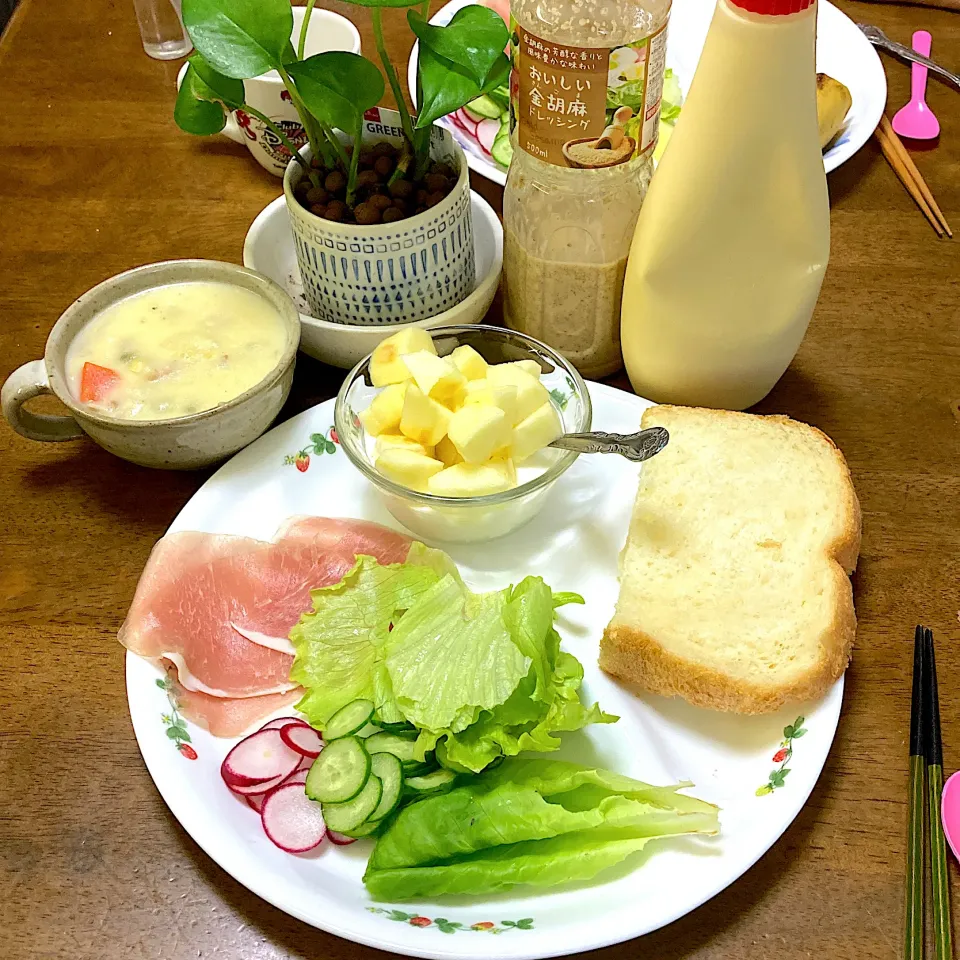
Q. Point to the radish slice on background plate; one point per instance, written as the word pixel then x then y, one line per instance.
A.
pixel 303 739
pixel 466 121
pixel 340 839
pixel 256 759
pixel 256 801
pixel 292 820
pixel 487 131
pixel 282 722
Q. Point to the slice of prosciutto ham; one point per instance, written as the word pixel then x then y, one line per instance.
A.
pixel 220 607
pixel 226 716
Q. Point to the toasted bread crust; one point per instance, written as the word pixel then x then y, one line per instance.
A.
pixel 631 654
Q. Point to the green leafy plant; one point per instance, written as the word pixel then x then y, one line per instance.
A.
pixel 236 40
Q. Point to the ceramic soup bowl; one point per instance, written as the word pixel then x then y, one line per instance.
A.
pixel 179 443
pixel 393 272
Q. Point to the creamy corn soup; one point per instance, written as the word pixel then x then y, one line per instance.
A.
pixel 175 350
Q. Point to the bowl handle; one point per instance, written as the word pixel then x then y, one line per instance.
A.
pixel 24 384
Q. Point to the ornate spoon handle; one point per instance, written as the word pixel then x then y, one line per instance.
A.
pixel 634 446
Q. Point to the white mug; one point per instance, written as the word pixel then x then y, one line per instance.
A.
pixel 327 31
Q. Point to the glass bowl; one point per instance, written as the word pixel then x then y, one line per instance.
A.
pixel 471 519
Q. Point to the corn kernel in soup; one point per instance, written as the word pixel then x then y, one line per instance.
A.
pixel 175 350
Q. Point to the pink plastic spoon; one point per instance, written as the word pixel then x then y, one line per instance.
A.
pixel 950 813
pixel 916 120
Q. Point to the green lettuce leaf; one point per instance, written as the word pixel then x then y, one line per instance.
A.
pixel 340 644
pixel 538 822
pixel 451 657
pixel 481 676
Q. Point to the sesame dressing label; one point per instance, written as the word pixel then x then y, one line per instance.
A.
pixel 586 107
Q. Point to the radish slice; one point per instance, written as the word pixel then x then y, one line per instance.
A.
pixel 467 121
pixel 305 764
pixel 258 758
pixel 256 800
pixel 257 788
pixel 292 820
pixel 487 131
pixel 303 739
pixel 340 839
pixel 282 722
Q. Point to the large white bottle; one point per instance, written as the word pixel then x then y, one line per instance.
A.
pixel 733 238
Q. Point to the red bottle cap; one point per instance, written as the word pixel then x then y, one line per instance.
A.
pixel 773 8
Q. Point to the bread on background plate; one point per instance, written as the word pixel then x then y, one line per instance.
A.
pixel 734 586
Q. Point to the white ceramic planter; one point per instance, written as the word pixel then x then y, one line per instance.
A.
pixel 394 272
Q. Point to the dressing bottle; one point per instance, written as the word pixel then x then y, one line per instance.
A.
pixel 586 84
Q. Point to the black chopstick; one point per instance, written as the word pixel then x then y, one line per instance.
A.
pixel 933 750
pixel 913 914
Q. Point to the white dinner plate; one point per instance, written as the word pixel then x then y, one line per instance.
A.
pixel 742 764
pixel 843 53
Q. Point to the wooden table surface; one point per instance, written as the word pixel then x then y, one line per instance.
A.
pixel 95 178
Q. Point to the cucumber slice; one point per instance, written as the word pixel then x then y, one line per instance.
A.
pixel 386 768
pixel 436 782
pixel 502 150
pixel 485 107
pixel 402 748
pixel 344 817
pixel 366 829
pixel 414 769
pixel 339 773
pixel 348 720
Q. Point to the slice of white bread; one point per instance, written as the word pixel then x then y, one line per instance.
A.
pixel 734 591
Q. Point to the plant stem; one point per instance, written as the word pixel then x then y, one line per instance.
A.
pixel 334 140
pixel 303 29
pixel 282 137
pixel 317 146
pixel 391 73
pixel 354 162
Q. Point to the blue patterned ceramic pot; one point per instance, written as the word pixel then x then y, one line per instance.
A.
pixel 393 272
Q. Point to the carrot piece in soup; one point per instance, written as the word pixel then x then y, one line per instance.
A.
pixel 96 382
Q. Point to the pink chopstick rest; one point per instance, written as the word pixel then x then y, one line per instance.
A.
pixel 950 812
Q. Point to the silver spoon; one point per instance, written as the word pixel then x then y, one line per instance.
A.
pixel 879 39
pixel 634 446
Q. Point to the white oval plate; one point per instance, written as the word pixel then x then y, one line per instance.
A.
pixel 843 53
pixel 573 544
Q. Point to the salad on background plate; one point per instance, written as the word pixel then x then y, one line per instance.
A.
pixel 843 53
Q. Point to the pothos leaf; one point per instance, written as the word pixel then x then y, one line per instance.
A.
pixel 338 87
pixel 240 38
pixel 473 39
pixel 447 88
pixel 228 90
pixel 198 110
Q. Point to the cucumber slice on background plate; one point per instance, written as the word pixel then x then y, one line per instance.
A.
pixel 339 773
pixel 402 748
pixel 346 817
pixel 386 767
pixel 348 720
pixel 485 107
pixel 502 149
pixel 436 782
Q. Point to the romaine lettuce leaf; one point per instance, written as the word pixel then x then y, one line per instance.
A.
pixel 541 822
